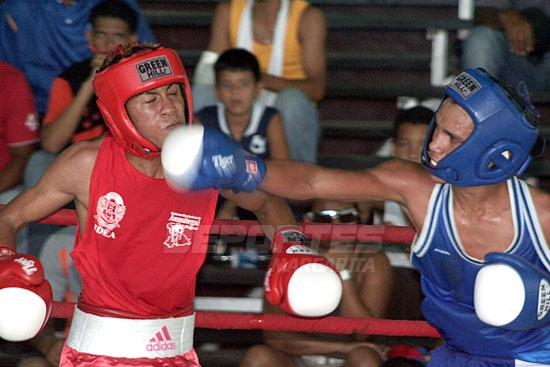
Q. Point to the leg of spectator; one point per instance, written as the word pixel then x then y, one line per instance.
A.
pixel 38 162
pixel 485 48
pixel 301 123
pixel 37 232
pixel 22 236
pixel 266 356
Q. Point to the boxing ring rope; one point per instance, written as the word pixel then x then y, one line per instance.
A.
pixel 329 324
pixel 323 231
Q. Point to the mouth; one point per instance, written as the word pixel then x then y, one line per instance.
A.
pixel 432 162
pixel 173 126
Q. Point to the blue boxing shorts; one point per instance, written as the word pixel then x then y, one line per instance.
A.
pixel 446 356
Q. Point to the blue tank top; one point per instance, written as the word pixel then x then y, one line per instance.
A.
pixel 448 276
pixel 254 139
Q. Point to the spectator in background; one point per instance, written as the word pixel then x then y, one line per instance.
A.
pixel 258 128
pixel 72 113
pixel 511 41
pixel 288 38
pixel 43 38
pixel 367 285
pixel 19 135
pixel 19 129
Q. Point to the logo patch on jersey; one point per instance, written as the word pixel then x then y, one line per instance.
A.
pixel 465 85
pixel 110 210
pixel 156 67
pixel 258 144
pixel 179 227
pixel 31 122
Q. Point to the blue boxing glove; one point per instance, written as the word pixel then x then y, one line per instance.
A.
pixel 511 293
pixel 198 157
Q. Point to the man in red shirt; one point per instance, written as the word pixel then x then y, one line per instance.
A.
pixel 19 129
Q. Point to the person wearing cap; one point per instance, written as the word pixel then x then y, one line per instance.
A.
pixel 481 245
pixel 140 242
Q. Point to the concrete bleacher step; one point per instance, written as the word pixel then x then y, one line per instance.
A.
pixel 338 60
pixel 397 20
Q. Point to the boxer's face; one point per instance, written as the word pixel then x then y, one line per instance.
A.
pixel 157 112
pixel 453 127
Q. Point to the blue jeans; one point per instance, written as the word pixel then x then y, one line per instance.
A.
pixel 488 48
pixel 38 232
pixel 300 119
pixel 445 356
pixel 22 236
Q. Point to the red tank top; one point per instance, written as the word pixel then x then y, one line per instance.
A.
pixel 144 243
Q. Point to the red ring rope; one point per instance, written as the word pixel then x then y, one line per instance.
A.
pixel 361 232
pixel 329 324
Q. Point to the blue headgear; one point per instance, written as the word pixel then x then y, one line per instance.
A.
pixel 504 138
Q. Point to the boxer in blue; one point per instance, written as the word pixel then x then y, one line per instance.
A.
pixel 482 231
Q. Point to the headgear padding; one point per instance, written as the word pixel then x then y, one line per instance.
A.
pixel 502 141
pixel 139 72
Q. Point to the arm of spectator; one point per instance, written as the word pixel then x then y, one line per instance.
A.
pixel 57 131
pixel 312 33
pixel 219 36
pixel 12 174
pixel 368 209
pixel 278 145
pixel 518 30
pixel 48 344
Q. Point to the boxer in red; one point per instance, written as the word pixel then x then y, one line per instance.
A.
pixel 139 242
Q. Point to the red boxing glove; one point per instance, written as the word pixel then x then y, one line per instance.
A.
pixel 299 280
pixel 26 298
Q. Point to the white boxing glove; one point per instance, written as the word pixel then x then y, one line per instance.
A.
pixel 511 293
pixel 299 280
pixel 26 298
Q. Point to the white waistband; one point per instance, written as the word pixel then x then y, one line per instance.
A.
pixel 114 337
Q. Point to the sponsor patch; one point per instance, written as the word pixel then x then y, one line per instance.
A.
pixel 251 166
pixel 156 67
pixel 179 227
pixel 465 85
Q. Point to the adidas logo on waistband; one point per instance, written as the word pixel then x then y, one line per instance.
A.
pixel 161 341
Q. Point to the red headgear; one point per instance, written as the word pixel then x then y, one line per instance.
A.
pixel 141 71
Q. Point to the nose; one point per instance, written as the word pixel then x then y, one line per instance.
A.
pixel 437 142
pixel 168 105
